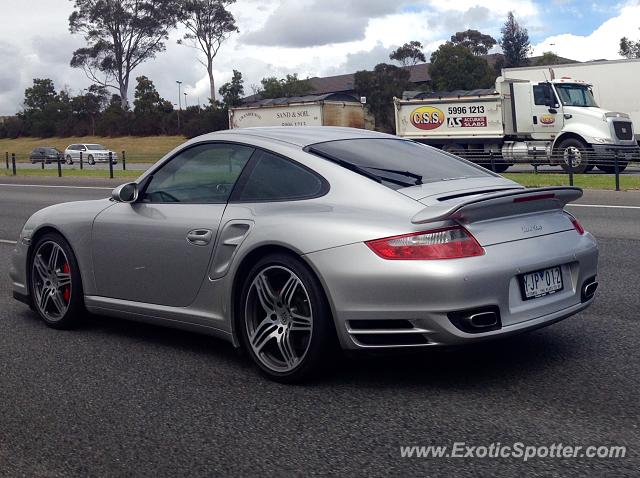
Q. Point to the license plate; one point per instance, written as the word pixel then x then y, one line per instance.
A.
pixel 541 283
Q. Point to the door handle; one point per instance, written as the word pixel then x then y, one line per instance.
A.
pixel 199 237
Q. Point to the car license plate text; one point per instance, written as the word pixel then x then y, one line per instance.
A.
pixel 540 283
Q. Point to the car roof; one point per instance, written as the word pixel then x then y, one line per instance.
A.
pixel 301 136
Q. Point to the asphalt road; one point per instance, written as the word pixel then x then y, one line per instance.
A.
pixel 116 398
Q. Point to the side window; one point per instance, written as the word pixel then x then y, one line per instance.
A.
pixel 274 178
pixel 202 174
pixel 542 95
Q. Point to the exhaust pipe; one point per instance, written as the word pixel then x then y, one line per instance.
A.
pixel 477 321
pixel 482 320
pixel 589 289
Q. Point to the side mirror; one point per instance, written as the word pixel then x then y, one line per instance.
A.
pixel 125 193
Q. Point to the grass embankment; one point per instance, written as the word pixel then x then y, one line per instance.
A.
pixel 144 149
pixel 585 181
pixel 73 172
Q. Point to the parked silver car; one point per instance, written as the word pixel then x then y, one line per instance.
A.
pixel 91 153
pixel 286 240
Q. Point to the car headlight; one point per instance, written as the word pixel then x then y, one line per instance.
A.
pixel 602 140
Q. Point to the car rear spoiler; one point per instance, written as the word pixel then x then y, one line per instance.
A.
pixel 500 204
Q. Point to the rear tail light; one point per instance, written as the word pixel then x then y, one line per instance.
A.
pixel 447 243
pixel 576 225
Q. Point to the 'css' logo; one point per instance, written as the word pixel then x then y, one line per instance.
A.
pixel 427 117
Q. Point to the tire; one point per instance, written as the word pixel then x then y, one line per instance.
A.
pixel 286 348
pixel 579 150
pixel 64 306
pixel 69 161
pixel 90 160
pixel 455 148
pixel 500 167
pixel 611 168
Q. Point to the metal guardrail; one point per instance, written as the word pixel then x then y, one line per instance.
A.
pixel 574 163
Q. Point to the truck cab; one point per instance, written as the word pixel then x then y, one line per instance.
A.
pixel 563 114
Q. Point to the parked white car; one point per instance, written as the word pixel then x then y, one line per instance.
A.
pixel 91 153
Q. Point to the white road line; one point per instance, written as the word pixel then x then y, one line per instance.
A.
pixel 52 186
pixel 604 206
pixel 5 241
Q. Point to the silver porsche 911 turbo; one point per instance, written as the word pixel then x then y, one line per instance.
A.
pixel 287 241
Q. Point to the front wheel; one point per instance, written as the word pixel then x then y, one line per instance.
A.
pixel 576 151
pixel 55 284
pixel 286 324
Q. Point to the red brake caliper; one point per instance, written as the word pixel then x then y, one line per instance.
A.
pixel 67 290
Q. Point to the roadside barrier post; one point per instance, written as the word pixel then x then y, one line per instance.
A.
pixel 535 168
pixel 124 160
pixel 81 165
pixel 13 163
pixel 493 162
pixel 59 168
pixel 616 166
pixel 6 157
pixel 110 164
pixel 42 164
pixel 571 155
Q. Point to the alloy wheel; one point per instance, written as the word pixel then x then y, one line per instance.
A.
pixel 575 153
pixel 51 280
pixel 278 318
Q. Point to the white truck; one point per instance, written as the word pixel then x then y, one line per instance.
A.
pixel 551 121
pixel 615 83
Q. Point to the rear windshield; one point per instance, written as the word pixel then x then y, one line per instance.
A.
pixel 399 163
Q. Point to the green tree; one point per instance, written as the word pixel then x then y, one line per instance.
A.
pixel 120 35
pixel 515 43
pixel 149 107
pixel 115 120
pixel 287 87
pixel 41 108
pixel 455 67
pixel 232 91
pixel 380 86
pixel 408 54
pixel 477 42
pixel 629 48
pixel 87 108
pixel 548 58
pixel 208 24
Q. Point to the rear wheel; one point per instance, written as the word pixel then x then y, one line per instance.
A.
pixel 455 148
pixel 576 151
pixel 91 160
pixel 285 320
pixel 55 284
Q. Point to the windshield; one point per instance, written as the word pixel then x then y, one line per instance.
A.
pixel 95 147
pixel 398 163
pixel 575 95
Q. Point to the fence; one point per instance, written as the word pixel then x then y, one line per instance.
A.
pixel 570 164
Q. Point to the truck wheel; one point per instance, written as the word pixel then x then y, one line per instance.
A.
pixel 456 149
pixel 499 167
pixel 611 168
pixel 576 151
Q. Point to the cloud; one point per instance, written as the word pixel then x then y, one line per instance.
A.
pixel 602 43
pixel 306 23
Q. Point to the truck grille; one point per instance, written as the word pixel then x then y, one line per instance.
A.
pixel 623 130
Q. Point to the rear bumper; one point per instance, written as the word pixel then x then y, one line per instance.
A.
pixel 397 304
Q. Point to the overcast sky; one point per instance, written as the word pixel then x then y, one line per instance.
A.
pixel 308 37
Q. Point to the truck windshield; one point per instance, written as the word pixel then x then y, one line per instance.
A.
pixel 575 95
pixel 397 163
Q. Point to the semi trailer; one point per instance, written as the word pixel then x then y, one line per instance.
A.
pixel 553 121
